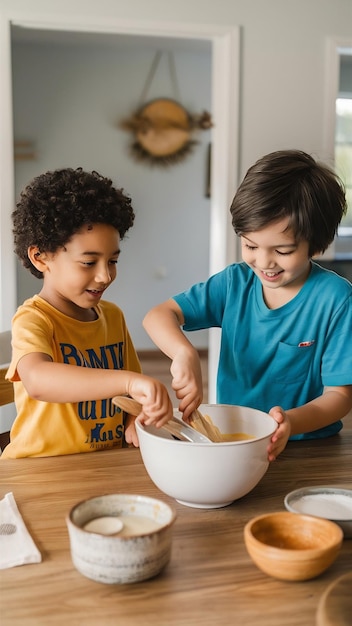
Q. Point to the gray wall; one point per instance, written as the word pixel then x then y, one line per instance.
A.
pixel 283 105
pixel 68 100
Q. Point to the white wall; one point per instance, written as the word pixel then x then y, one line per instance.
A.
pixel 68 100
pixel 284 66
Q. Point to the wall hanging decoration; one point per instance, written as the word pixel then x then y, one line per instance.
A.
pixel 162 128
pixel 24 151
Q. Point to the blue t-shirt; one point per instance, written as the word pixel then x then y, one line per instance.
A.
pixel 283 356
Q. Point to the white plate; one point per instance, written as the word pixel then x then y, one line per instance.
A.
pixel 327 501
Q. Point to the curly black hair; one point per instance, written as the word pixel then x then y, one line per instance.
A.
pixel 55 205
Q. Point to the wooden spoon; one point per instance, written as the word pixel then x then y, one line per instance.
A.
pixel 127 404
pixel 175 427
pixel 205 426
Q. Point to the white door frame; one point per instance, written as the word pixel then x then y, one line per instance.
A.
pixel 225 137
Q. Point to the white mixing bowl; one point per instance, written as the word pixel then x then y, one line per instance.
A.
pixel 209 475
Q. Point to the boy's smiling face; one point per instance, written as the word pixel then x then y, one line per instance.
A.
pixel 280 262
pixel 76 276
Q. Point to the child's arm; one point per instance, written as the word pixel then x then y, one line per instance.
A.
pixel 163 324
pixel 58 382
pixel 331 406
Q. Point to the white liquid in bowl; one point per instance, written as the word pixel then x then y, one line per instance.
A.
pixel 125 525
pixel 334 506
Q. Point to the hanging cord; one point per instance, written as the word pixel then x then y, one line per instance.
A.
pixel 173 76
pixel 151 74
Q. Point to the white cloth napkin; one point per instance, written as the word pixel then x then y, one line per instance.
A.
pixel 16 545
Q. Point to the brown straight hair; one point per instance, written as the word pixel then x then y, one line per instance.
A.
pixel 290 183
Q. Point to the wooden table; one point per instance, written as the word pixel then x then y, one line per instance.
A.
pixel 210 578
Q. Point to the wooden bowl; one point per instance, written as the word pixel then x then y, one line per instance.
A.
pixel 290 546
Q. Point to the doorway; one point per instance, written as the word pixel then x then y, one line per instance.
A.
pixel 225 110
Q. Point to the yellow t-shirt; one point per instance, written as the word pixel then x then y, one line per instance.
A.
pixel 50 429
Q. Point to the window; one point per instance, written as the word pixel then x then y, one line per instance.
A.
pixel 343 150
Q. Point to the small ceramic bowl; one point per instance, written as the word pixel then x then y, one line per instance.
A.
pixel 105 552
pixel 330 502
pixel 290 546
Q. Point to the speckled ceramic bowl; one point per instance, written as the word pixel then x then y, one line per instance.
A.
pixel 326 501
pixel 138 552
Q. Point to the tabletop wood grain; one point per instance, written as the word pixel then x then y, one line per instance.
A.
pixel 210 579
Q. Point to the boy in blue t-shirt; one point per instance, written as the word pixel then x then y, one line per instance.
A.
pixel 286 341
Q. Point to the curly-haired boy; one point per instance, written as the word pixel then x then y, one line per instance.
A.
pixel 72 351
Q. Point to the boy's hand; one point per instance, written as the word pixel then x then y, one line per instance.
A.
pixel 187 381
pixel 281 435
pixel 153 396
pixel 131 436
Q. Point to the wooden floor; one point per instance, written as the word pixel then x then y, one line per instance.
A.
pixel 157 365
